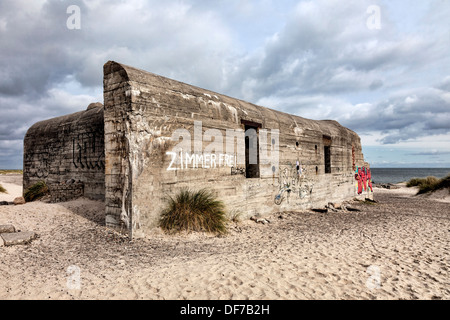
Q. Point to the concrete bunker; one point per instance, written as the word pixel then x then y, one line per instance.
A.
pixel 68 153
pixel 160 135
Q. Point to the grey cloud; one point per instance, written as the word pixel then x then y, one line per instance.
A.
pixel 403 116
pixel 11 154
pixel 445 84
pixel 326 48
pixel 34 53
pixel 18 114
pixel 376 84
pixel 408 133
pixel 40 51
pixel 430 153
pixel 441 122
pixel 400 120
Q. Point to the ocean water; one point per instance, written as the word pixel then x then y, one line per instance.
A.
pixel 396 175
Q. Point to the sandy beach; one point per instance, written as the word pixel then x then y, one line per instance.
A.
pixel 398 248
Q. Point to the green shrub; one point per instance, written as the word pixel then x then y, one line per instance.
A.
pixel 2 190
pixel 194 211
pixel 36 191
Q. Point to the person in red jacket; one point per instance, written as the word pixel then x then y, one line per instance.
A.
pixel 369 179
pixel 364 178
pixel 359 179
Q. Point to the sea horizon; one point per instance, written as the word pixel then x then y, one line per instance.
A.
pixel 385 175
pixel 397 175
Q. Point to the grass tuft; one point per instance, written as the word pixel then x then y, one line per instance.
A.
pixel 36 191
pixel 194 211
pixel 234 216
pixel 444 183
pixel 2 190
pixel 429 184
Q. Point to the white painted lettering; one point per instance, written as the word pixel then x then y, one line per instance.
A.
pixel 174 157
pixel 207 159
pixel 213 161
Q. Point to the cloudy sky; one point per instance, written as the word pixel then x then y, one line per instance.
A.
pixel 381 68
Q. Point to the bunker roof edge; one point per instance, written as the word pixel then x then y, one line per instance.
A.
pixel 132 74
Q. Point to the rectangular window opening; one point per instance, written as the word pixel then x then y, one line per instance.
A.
pixel 251 150
pixel 327 153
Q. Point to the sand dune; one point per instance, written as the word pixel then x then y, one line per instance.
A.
pixel 13 185
pixel 396 249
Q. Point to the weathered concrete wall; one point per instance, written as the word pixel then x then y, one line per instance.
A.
pixel 66 191
pixel 142 113
pixel 65 148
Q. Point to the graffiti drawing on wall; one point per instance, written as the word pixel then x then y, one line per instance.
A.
pixel 39 162
pixel 281 196
pixel 88 151
pixel 293 179
pixel 41 171
pixel 363 178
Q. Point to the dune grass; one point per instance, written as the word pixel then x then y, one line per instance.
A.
pixel 429 184
pixel 36 191
pixel 2 190
pixel 234 216
pixel 3 171
pixel 194 211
